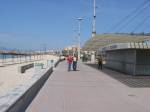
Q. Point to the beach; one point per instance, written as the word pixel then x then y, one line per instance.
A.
pixel 10 75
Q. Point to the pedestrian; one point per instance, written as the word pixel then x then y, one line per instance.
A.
pixel 69 61
pixel 75 59
pixel 100 63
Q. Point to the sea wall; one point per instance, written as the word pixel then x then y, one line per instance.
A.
pixel 19 98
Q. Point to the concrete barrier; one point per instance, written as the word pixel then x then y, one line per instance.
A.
pixel 26 67
pixel 57 61
pixel 20 97
pixel 55 65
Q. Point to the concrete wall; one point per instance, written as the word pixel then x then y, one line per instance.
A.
pixel 129 61
pixel 143 62
pixel 121 60
pixel 22 103
pixel 20 97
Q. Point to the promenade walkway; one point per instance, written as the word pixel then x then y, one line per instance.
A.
pixel 88 90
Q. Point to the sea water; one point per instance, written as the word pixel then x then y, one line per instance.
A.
pixel 6 56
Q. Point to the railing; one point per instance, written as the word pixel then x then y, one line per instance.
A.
pixel 18 59
pixel 139 45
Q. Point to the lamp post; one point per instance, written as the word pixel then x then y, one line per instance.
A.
pixel 94 19
pixel 79 34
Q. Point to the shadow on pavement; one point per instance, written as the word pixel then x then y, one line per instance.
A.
pixel 130 81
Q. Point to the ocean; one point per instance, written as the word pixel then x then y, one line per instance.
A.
pixel 7 56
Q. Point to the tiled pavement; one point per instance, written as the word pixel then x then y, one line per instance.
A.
pixel 129 80
pixel 88 90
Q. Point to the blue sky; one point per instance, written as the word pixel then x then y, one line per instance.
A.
pixel 29 24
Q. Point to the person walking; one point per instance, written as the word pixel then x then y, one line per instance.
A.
pixel 75 63
pixel 100 63
pixel 69 61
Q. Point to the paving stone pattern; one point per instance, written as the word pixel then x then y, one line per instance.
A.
pixel 131 81
pixel 88 90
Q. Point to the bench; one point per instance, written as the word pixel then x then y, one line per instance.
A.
pixel 26 67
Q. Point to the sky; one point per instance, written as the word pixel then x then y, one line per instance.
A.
pixel 35 24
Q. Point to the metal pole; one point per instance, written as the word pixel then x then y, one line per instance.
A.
pixel 79 34
pixel 94 7
pixel 94 19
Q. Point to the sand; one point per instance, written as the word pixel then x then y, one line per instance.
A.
pixel 10 76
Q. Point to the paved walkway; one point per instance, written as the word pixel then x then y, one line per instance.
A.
pixel 88 90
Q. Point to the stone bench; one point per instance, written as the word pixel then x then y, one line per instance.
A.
pixel 26 67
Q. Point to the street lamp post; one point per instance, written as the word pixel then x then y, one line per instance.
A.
pixel 94 19
pixel 79 34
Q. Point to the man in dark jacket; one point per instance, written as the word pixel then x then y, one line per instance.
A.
pixel 100 63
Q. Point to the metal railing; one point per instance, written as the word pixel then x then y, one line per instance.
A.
pixel 9 58
pixel 139 45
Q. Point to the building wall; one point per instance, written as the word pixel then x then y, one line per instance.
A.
pixel 129 61
pixel 121 60
pixel 143 62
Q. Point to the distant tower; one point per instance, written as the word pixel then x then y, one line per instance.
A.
pixel 94 20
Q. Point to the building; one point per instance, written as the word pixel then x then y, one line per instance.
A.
pixel 129 58
pixel 70 50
